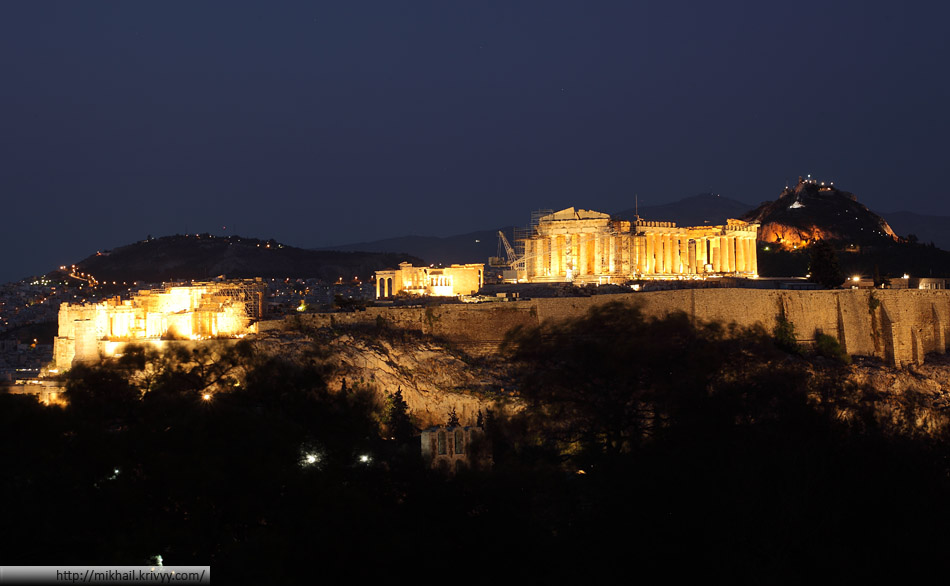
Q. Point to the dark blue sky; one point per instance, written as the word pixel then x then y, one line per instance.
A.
pixel 321 123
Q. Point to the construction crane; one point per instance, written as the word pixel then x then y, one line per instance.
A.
pixel 514 262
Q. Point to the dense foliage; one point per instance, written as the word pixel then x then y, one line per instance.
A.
pixel 650 448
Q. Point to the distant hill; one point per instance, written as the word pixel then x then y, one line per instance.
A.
pixel 478 246
pixel 866 242
pixel 463 248
pixel 698 210
pixel 206 256
pixel 809 212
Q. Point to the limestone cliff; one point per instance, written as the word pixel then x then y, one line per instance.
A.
pixel 910 401
pixel 811 211
pixel 433 378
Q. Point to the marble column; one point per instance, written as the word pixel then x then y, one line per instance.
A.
pixel 597 269
pixel 582 245
pixel 740 253
pixel 677 254
pixel 716 254
pixel 667 253
pixel 570 259
pixel 701 254
pixel 755 256
pixel 684 254
pixel 724 253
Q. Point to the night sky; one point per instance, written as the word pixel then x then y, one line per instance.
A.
pixel 320 123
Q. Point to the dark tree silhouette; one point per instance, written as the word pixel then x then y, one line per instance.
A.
pixel 824 266
pixel 453 418
pixel 400 425
pixel 612 380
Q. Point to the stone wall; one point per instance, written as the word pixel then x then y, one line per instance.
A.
pixel 899 326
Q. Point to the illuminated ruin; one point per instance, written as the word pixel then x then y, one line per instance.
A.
pixel 196 311
pixel 438 282
pixel 590 247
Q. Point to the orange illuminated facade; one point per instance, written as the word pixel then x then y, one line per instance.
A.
pixel 196 311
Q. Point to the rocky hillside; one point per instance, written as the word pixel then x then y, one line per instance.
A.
pixel 811 211
pixel 433 378
pixel 207 256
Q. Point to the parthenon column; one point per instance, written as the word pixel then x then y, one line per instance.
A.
pixel 677 254
pixel 749 254
pixel 667 253
pixel 684 253
pixel 570 259
pixel 755 256
pixel 582 268
pixel 716 254
pixel 731 242
pixel 650 265
pixel 724 253
pixel 633 251
pixel 740 254
pixel 598 255
pixel 612 243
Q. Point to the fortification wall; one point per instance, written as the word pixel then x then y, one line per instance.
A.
pixel 899 326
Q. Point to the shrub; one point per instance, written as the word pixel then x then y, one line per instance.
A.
pixel 829 347
pixel 784 334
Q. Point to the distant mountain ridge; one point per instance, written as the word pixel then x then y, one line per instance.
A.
pixel 472 247
pixel 206 256
pixel 705 208
pixel 698 210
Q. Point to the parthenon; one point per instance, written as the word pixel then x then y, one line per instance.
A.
pixel 590 247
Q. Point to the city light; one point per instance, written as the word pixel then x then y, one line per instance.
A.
pixel 310 457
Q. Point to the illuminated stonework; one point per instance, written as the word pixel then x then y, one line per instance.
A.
pixel 176 312
pixel 439 282
pixel 589 247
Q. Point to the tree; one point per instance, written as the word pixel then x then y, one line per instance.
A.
pixel 879 281
pixel 825 269
pixel 453 418
pixel 616 380
pixel 400 426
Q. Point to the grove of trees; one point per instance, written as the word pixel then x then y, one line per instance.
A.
pixel 657 449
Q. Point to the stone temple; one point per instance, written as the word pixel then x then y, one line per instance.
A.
pixel 437 282
pixel 584 246
pixel 193 311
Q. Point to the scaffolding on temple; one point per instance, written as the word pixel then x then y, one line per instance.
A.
pixel 526 233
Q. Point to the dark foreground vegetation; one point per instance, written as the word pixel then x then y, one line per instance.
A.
pixel 649 449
